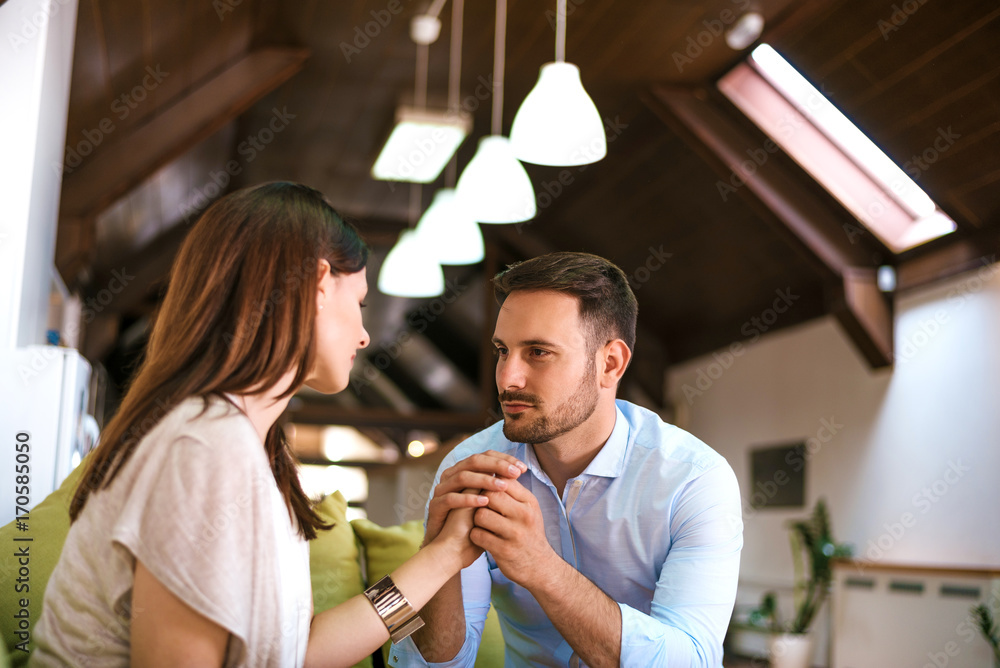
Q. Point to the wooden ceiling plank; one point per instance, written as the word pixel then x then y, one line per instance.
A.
pixel 957 98
pixel 926 58
pixel 126 163
pixel 88 99
pixel 102 42
pixel 123 22
pixel 795 22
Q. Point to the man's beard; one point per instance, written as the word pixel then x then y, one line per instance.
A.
pixel 519 428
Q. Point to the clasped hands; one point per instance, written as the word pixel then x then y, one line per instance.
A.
pixel 480 505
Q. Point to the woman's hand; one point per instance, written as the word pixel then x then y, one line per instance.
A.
pixel 455 533
pixel 461 485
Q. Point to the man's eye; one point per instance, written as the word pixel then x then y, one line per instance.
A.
pixel 499 351
pixel 538 352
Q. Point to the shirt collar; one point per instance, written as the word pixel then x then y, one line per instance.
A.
pixel 609 461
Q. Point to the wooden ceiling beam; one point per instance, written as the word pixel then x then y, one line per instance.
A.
pixel 772 190
pixel 124 164
pixel 150 266
pixel 131 158
pixel 866 315
pixel 947 257
pixel 789 206
pixel 303 411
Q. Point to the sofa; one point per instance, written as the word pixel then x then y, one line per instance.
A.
pixel 343 561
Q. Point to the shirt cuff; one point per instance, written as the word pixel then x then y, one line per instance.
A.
pixel 407 654
pixel 644 641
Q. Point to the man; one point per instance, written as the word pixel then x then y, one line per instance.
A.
pixel 616 538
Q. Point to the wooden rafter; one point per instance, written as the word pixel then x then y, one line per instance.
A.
pixel 318 412
pixel 125 163
pixel 810 223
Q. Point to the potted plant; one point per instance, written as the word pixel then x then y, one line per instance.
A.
pixel 984 620
pixel 813 552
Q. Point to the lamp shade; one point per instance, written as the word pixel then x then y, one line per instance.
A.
pixel 421 144
pixel 494 188
pixel 558 124
pixel 410 270
pixel 449 232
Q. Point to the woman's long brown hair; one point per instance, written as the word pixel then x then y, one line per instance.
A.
pixel 238 314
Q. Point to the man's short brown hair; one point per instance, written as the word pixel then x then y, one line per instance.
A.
pixel 607 304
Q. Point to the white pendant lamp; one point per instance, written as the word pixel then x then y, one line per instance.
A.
pixel 449 231
pixel 410 270
pixel 494 186
pixel 558 124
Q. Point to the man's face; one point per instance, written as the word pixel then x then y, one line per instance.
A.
pixel 545 369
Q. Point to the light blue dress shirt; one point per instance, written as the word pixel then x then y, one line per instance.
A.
pixel 654 521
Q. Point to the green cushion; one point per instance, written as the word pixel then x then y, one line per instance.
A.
pixel 386 548
pixel 334 560
pixel 48 526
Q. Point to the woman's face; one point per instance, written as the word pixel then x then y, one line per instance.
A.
pixel 339 330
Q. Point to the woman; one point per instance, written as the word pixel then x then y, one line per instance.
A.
pixel 189 538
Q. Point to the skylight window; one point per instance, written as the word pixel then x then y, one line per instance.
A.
pixel 803 122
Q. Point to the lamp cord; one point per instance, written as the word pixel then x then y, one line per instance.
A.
pixel 560 31
pixel 498 56
pixel 436 7
pixel 420 102
pixel 454 80
pixel 420 80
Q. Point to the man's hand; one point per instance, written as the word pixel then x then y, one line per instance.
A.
pixel 459 490
pixel 512 529
pixel 488 471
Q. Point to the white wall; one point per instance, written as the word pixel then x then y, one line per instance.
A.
pixel 36 55
pixel 918 445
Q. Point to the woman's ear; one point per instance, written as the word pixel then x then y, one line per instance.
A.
pixel 323 282
pixel 614 359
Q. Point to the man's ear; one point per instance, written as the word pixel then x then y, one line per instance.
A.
pixel 613 360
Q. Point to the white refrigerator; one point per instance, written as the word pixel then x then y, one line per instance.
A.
pixel 44 423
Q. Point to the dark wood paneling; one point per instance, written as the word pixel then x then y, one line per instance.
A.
pixel 939 70
pixel 905 78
